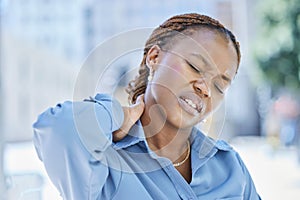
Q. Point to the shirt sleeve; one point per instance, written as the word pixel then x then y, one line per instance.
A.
pixel 74 140
pixel 250 190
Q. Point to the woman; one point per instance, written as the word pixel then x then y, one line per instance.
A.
pixel 96 149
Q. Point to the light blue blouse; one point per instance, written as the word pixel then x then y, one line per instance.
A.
pixel 74 140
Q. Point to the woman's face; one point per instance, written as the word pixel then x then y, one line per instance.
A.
pixel 191 78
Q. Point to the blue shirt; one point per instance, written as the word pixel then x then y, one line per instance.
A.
pixel 74 140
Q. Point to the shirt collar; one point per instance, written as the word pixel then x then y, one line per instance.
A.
pixel 205 146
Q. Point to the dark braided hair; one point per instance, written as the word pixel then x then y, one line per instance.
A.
pixel 162 36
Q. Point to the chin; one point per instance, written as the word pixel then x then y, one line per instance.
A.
pixel 183 122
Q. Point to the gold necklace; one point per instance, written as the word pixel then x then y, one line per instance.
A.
pixel 186 157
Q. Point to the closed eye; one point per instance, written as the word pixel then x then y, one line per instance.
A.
pixel 193 67
pixel 219 88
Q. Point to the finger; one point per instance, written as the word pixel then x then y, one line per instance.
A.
pixel 119 135
pixel 140 98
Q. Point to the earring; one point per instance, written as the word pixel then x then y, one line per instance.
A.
pixel 151 72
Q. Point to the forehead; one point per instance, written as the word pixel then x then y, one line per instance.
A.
pixel 209 47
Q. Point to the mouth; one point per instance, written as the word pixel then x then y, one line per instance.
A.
pixel 191 104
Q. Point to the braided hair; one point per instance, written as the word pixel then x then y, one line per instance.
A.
pixel 162 36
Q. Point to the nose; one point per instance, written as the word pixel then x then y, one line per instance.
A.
pixel 201 87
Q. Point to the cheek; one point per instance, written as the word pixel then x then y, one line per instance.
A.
pixel 178 72
pixel 177 75
pixel 177 68
pixel 173 66
pixel 170 77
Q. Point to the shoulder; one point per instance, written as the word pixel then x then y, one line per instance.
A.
pixel 228 157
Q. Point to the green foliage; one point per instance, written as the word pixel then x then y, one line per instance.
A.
pixel 278 51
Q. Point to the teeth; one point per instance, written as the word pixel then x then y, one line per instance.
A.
pixel 190 103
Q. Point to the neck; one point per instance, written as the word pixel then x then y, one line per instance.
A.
pixel 164 138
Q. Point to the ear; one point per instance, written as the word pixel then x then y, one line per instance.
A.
pixel 152 56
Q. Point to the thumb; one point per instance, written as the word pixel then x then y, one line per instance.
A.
pixel 140 99
pixel 137 109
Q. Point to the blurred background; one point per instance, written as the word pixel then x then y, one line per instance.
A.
pixel 46 46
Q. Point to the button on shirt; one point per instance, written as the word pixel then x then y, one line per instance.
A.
pixel 74 141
